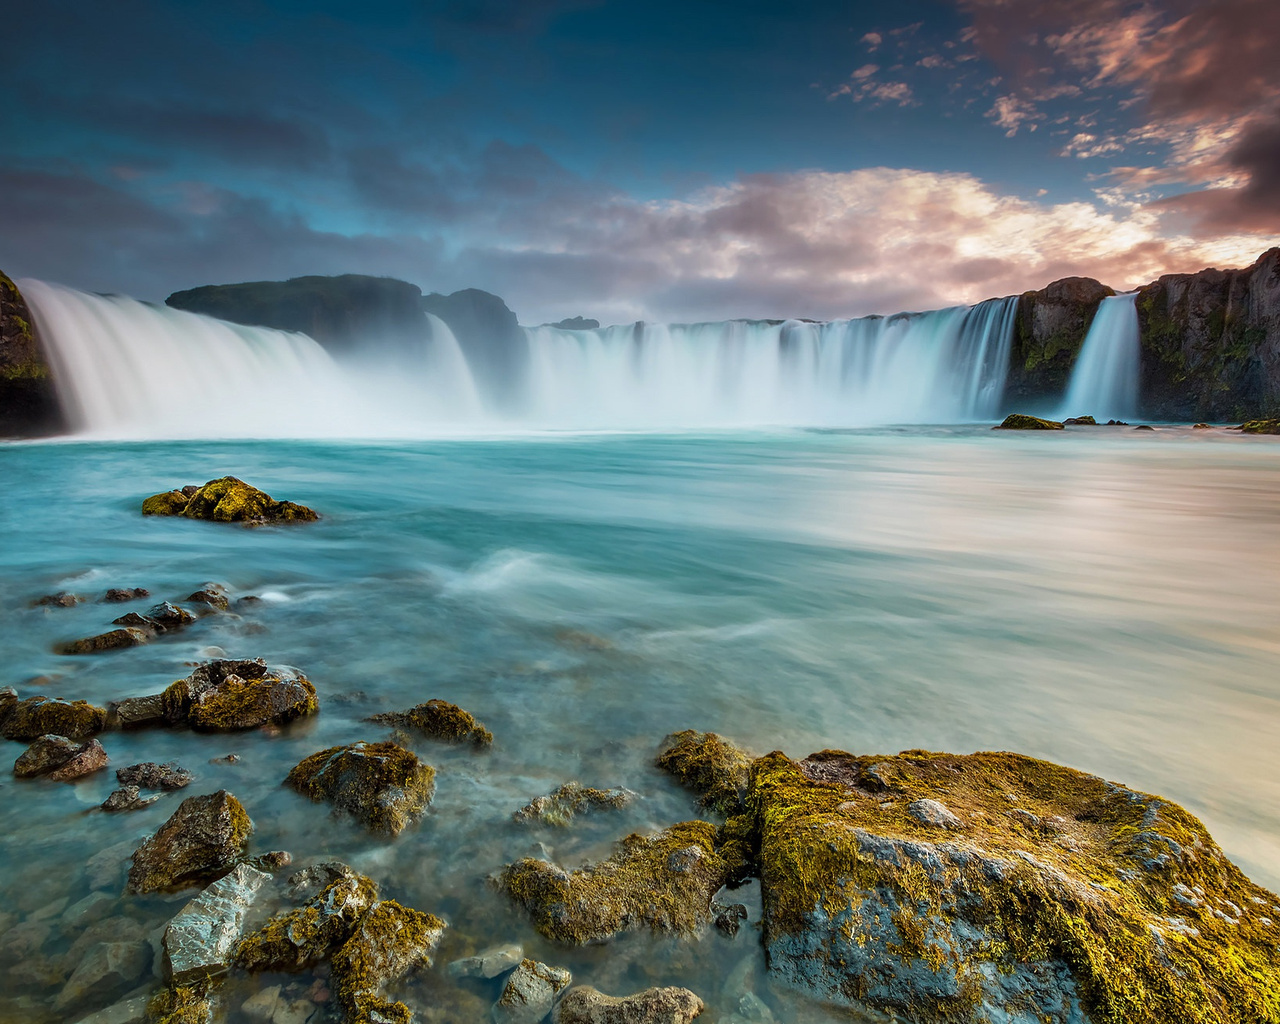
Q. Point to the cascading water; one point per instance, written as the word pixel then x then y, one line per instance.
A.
pixel 1104 382
pixel 126 368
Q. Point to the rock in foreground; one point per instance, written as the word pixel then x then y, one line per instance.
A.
pixel 227 500
pixel 381 784
pixel 313 932
pixel 1040 894
pixel 388 942
pixel 586 1005
pixel 60 759
pixel 709 765
pixel 664 882
pixel 222 696
pixel 1017 421
pixel 201 842
pixel 198 941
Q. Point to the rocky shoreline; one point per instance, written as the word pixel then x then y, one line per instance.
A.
pixel 1210 341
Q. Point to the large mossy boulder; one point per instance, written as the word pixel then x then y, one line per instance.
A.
pixel 663 882
pixel 228 695
pixel 29 404
pixel 709 765
pixel 439 720
pixel 227 500
pixel 382 785
pixel 203 840
pixel 1021 421
pixel 33 717
pixel 997 887
pixel 305 936
pixel 387 943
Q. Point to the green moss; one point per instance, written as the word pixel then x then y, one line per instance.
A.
pixel 180 1006
pixel 567 802
pixel 389 941
pixel 1019 421
pixel 40 716
pixel 309 934
pixel 227 500
pixel 1261 427
pixel 710 766
pixel 1112 873
pixel 170 503
pixel 248 703
pixel 440 720
pixel 382 784
pixel 663 882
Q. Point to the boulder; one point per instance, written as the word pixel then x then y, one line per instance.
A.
pixel 381 784
pixel 138 712
pixel 223 696
pixel 570 800
pixel 149 775
pixel 213 595
pixel 664 882
pixel 1258 427
pixel 62 599
pixel 29 405
pixel 127 798
pixel 311 933
pixel 137 621
pixel 201 842
pixel 198 942
pixel 117 595
pixel 8 701
pixel 387 943
pixel 1079 421
pixel 60 759
pixel 439 720
pixel 586 1005
pixel 114 640
pixel 106 968
pixel 159 618
pixel 228 500
pixel 489 963
pixel 1019 421
pixel 41 716
pixel 709 765
pixel 530 993
pixel 1067 894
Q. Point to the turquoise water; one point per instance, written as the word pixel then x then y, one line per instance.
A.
pixel 1106 599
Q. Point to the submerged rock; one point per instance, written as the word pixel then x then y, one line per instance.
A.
pixel 571 799
pixel 710 766
pixel 40 716
pixel 181 1006
pixel 1018 421
pixel 127 798
pixel 664 882
pixel 1069 910
pixel 149 775
pixel 227 500
pixel 586 1005
pixel 530 993
pixel 381 784
pixel 311 933
pixel 198 942
pixel 118 595
pixel 441 721
pixel 1079 421
pixel 114 640
pixel 62 599
pixel 211 594
pixel 201 842
pixel 488 963
pixel 230 695
pixel 105 967
pixel 387 943
pixel 60 759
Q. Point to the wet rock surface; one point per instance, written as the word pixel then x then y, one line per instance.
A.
pixel 311 933
pixel 586 1005
pixel 709 765
pixel 62 599
pixel 530 993
pixel 198 942
pixel 440 720
pixel 118 595
pixel 570 800
pixel 201 842
pixel 60 759
pixel 39 716
pixel 227 695
pixel 388 941
pixel 149 775
pixel 227 500
pixel 382 785
pixel 488 963
pixel 1020 421
pixel 127 798
pixel 113 640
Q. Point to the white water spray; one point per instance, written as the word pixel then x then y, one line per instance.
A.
pixel 1104 382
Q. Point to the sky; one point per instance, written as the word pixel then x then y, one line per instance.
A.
pixel 623 160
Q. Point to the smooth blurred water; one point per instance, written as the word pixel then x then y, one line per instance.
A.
pixel 1102 597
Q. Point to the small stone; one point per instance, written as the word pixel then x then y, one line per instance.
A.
pixel 272 861
pixel 128 636
pixel 728 917
pixel 530 993
pixel 754 1009
pixel 62 599
pixel 106 966
pixel 212 595
pixel 489 963
pixel 149 775
pixel 170 616
pixel 225 759
pixel 262 1004
pixel 586 1005
pixel 931 812
pixel 117 595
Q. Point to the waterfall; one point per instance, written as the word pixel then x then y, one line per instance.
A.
pixel 1104 381
pixel 130 369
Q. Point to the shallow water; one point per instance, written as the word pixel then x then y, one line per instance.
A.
pixel 1102 598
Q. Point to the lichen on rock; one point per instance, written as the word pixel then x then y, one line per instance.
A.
pixel 1020 421
pixel 439 720
pixel 227 500
pixel 381 784
pixel 664 882
pixel 222 696
pixel 202 841
pixel 709 765
pixel 388 941
pixel 181 1005
pixel 306 935
pixel 562 806
pixel 39 716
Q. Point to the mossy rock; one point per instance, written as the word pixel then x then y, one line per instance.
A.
pixel 709 765
pixel 114 640
pixel 227 500
pixel 663 882
pixel 388 942
pixel 180 1005
pixel 1260 427
pixel 228 695
pixel 567 802
pixel 381 784
pixel 303 937
pixel 39 716
pixel 1053 895
pixel 441 721
pixel 1018 421
pixel 201 842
